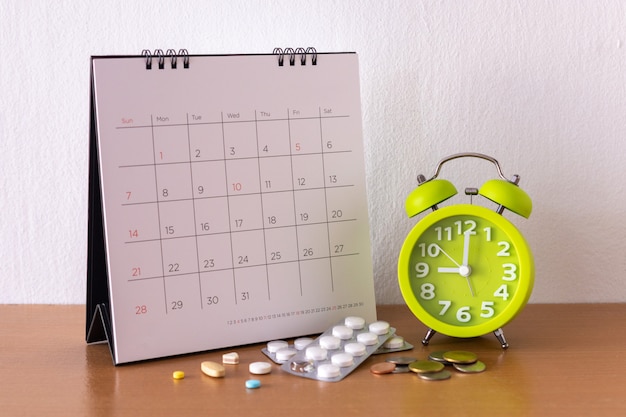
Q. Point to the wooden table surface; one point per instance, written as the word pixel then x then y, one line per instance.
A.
pixel 564 360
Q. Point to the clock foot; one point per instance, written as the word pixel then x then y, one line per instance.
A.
pixel 500 336
pixel 429 335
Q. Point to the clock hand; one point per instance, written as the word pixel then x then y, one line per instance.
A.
pixel 465 270
pixel 466 242
pixel 448 256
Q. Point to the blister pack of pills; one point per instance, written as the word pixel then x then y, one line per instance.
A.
pixel 339 350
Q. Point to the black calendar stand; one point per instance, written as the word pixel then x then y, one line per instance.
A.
pixel 98 319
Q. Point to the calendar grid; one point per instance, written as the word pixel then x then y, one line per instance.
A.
pixel 193 199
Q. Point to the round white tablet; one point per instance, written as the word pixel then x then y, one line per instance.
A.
pixel 328 371
pixel 285 354
pixel 367 338
pixel 342 360
pixel 316 353
pixel 260 368
pixel 355 349
pixel 330 342
pixel 342 332
pixel 302 342
pixel 356 323
pixel 395 342
pixel 276 345
pixel 379 327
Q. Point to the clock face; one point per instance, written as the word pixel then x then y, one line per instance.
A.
pixel 465 271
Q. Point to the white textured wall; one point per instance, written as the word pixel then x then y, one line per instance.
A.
pixel 540 85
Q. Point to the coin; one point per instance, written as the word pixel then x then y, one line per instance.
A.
pixel 401 369
pixel 436 376
pixel 472 368
pixel 401 360
pixel 438 357
pixel 460 356
pixel 382 368
pixel 422 367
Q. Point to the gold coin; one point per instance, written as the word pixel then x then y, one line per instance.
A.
pixel 472 368
pixel 436 376
pixel 423 367
pixel 460 356
pixel 382 368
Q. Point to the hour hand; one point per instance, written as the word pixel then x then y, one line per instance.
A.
pixel 448 270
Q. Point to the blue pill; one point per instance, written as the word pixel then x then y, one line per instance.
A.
pixel 253 383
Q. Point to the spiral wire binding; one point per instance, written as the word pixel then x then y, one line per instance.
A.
pixel 292 53
pixel 161 58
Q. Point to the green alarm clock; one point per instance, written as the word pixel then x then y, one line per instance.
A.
pixel 465 270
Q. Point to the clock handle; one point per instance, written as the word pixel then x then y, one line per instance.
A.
pixel 471 155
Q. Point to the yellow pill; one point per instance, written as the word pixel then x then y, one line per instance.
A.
pixel 213 369
pixel 178 375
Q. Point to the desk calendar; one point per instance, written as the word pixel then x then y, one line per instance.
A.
pixel 227 200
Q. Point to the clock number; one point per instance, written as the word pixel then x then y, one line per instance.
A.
pixel 444 230
pixel 446 305
pixel 428 291
pixel 510 272
pixel 502 292
pixel 471 229
pixel 422 269
pixel 487 231
pixel 487 309
pixel 505 249
pixel 463 315
pixel 432 250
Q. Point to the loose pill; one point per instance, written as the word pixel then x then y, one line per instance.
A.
pixel 367 338
pixel 178 375
pixel 379 327
pixel 330 342
pixel 231 358
pixel 276 345
pixel 253 383
pixel 315 353
pixel 355 349
pixel 328 371
pixel 260 368
pixel 302 342
pixel 213 369
pixel 342 332
pixel 355 323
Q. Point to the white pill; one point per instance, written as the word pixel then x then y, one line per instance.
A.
pixel 395 342
pixel 342 332
pixel 302 342
pixel 275 345
pixel 355 349
pixel 316 353
pixel 356 323
pixel 330 342
pixel 379 327
pixel 231 358
pixel 260 368
pixel 342 360
pixel 367 338
pixel 285 354
pixel 328 371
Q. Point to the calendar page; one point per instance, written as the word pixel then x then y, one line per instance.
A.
pixel 233 198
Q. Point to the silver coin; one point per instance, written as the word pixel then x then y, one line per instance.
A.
pixel 472 368
pixel 401 360
pixel 438 357
pixel 401 369
pixel 436 376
